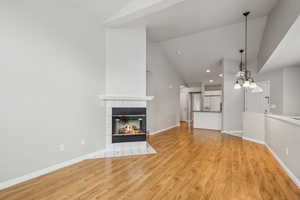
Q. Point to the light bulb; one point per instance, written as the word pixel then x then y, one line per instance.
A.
pixel 252 85
pixel 246 84
pixel 237 86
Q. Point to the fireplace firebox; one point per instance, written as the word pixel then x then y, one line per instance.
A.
pixel 128 125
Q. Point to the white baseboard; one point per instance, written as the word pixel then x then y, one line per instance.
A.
pixel 165 129
pixel 47 170
pixel 234 133
pixel 253 140
pixel 38 173
pixel 283 165
pixel 55 167
pixel 288 171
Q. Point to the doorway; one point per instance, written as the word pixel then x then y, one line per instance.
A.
pixel 258 100
pixel 190 99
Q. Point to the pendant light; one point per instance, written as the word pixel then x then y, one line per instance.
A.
pixel 241 68
pixel 237 86
pixel 239 82
pixel 244 78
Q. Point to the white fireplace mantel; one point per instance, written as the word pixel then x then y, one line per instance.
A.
pixel 118 149
pixel 125 98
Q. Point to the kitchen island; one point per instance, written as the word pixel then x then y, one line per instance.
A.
pixel 207 120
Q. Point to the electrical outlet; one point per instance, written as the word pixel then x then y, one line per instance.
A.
pixel 287 151
pixel 82 142
pixel 62 147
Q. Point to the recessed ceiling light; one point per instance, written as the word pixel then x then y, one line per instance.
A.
pixel 211 81
pixel 208 70
pixel 220 75
pixel 178 52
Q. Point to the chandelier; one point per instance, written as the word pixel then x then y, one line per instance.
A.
pixel 244 78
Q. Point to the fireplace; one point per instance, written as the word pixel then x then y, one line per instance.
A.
pixel 128 125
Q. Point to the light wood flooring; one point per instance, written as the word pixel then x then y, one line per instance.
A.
pixel 190 164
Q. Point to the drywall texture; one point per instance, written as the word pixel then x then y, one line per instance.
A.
pixel 164 84
pixel 276 89
pixel 52 69
pixel 284 85
pixel 279 22
pixel 126 61
pixel 233 100
pixel 284 139
pixel 254 126
pixel 291 95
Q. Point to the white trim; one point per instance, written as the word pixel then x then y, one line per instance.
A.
pixel 288 171
pixel 253 140
pixel 165 129
pixel 127 151
pixel 288 119
pixel 101 153
pixel 234 133
pixel 125 98
pixel 47 170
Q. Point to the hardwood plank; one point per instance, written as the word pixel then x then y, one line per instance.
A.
pixel 190 164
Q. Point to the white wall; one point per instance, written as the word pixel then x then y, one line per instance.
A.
pixel 282 17
pixel 126 61
pixel 284 138
pixel 164 84
pixel 291 94
pixel 52 69
pixel 233 100
pixel 207 120
pixel 254 126
pixel 276 88
pixel 284 85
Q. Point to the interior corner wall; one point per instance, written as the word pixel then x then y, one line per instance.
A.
pixel 281 18
pixel 291 94
pixel 284 85
pixel 52 69
pixel 276 89
pixel 233 100
pixel 126 61
pixel 164 84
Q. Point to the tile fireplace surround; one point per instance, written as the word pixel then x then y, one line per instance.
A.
pixel 125 148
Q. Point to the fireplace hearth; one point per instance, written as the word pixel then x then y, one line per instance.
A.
pixel 128 125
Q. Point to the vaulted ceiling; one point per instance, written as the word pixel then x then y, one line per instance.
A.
pixel 102 9
pixel 287 52
pixel 192 16
pixel 193 54
pixel 198 34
